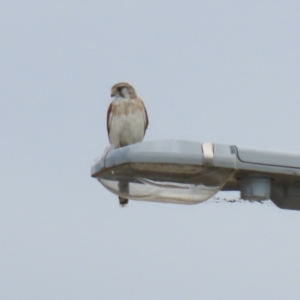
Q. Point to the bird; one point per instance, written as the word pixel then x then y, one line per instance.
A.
pixel 127 121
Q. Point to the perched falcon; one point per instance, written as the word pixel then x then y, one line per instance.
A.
pixel 127 121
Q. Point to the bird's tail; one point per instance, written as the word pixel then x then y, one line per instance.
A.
pixel 123 201
pixel 124 189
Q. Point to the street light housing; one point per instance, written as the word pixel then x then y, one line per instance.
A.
pixel 188 172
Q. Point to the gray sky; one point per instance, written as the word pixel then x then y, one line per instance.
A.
pixel 220 71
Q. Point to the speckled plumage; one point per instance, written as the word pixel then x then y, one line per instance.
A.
pixel 127 119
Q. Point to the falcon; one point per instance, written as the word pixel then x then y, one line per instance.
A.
pixel 127 121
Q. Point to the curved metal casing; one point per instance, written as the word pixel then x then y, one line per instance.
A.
pixel 189 172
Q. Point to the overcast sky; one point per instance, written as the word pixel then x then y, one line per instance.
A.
pixel 220 71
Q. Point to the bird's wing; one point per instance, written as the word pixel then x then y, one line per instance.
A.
pixel 146 120
pixel 109 118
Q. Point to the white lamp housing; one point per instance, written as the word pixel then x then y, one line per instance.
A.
pixel 188 172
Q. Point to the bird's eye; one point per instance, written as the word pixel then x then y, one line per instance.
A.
pixel 120 90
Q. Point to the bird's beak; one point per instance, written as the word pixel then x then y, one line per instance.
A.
pixel 112 95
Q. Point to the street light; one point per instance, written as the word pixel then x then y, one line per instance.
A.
pixel 186 172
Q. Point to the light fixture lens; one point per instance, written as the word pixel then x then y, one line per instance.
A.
pixel 170 183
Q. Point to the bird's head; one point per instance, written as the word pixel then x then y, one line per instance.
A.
pixel 124 90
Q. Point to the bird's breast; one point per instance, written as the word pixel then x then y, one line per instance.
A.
pixel 126 106
pixel 128 125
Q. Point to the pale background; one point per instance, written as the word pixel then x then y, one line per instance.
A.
pixel 220 71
